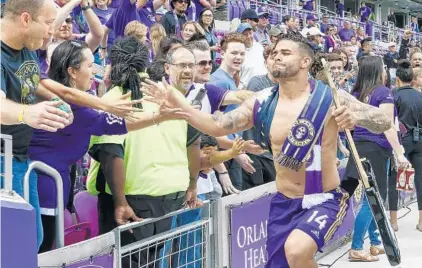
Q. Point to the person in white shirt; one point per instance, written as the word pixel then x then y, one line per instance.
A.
pixel 254 63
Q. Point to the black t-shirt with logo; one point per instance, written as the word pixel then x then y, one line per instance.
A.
pixel 20 76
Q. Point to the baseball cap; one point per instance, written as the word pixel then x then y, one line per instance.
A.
pixel 262 13
pixel 275 32
pixel 243 27
pixel 310 17
pixel 249 14
pixel 314 31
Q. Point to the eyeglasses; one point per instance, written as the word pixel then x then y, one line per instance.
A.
pixel 183 66
pixel 183 1
pixel 68 20
pixel 207 15
pixel 204 63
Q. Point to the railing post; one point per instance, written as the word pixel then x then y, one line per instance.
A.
pixel 8 162
pixel 59 189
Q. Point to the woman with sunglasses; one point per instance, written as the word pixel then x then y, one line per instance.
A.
pixel 206 20
pixel 72 65
pixel 377 148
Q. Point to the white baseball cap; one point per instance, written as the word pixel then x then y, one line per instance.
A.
pixel 314 31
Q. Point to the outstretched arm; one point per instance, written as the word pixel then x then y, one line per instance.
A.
pixel 214 125
pixel 370 117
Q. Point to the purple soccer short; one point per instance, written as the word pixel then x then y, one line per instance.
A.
pixel 319 222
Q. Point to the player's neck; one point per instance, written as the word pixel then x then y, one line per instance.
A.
pixel 11 38
pixel 293 87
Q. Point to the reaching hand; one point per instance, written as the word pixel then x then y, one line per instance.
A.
pixel 227 184
pixel 344 117
pixel 253 148
pixel 124 214
pixel 122 107
pixel 47 116
pixel 238 146
pixel 163 94
pixel 191 199
pixel 165 113
pixel 246 163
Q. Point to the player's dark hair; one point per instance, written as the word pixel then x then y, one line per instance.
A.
pixel 67 54
pixel 302 42
pixel 128 58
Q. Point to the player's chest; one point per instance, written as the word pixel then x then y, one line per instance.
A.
pixel 285 115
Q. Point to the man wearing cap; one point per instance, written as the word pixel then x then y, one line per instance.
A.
pixel 173 20
pixel 315 37
pixel 274 34
pixel 254 59
pixel 250 16
pixel 392 56
pixel 261 34
pixel 347 32
pixel 310 21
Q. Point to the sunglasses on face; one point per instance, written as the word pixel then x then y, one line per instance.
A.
pixel 204 63
pixel 183 1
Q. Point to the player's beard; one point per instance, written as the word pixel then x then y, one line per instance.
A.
pixel 288 70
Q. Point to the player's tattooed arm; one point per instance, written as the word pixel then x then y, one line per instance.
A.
pixel 236 120
pixel 367 116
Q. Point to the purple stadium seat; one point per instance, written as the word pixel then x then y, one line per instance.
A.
pixel 86 211
pixel 77 233
pixel 68 220
pixel 236 11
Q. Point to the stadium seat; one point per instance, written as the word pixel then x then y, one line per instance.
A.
pixel 86 211
pixel 77 233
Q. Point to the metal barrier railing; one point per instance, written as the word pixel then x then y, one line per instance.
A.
pixel 8 158
pixel 184 246
pixel 59 189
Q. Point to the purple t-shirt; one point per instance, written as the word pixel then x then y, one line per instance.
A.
pixel 308 5
pixel 115 4
pixel 380 95
pixel 63 148
pixel 346 34
pixel 122 16
pixel 364 12
pixel 147 14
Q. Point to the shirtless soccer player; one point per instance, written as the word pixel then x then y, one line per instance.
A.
pixel 297 122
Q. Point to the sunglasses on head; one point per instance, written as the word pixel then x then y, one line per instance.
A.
pixel 204 63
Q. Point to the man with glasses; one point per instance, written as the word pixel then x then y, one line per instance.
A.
pixel 261 34
pixel 174 19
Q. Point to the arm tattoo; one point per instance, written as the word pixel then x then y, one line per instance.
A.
pixel 370 117
pixel 237 120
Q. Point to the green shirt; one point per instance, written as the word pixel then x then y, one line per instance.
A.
pixel 155 157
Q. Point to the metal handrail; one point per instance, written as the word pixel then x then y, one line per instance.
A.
pixel 59 189
pixel 8 161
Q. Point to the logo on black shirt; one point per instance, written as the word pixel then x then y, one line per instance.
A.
pixel 29 76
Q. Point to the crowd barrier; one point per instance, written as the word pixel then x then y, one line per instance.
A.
pixel 232 232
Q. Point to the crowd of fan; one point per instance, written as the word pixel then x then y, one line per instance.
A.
pixel 146 161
